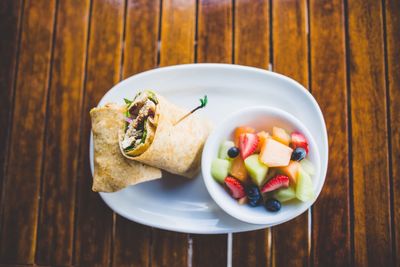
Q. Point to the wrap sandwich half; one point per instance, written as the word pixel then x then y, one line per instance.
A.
pixel 152 135
pixel 112 171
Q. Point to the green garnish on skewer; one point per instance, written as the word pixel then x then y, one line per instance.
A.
pixel 127 101
pixel 203 103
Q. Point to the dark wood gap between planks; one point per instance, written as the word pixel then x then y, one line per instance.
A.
pixel 46 118
pixel 389 133
pixel 10 98
pixel 392 28
pixel 81 123
pixel 349 128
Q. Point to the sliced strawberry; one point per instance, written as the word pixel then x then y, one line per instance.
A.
pixel 276 182
pixel 248 143
pixel 235 187
pixel 298 140
pixel 242 130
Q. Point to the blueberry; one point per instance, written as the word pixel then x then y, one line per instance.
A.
pixel 233 152
pixel 298 154
pixel 253 195
pixel 273 205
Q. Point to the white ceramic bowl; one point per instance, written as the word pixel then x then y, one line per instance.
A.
pixel 260 118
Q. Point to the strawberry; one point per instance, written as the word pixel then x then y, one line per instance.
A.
pixel 298 140
pixel 276 182
pixel 235 187
pixel 248 144
pixel 242 130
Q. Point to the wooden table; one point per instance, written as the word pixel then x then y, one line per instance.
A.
pixel 58 58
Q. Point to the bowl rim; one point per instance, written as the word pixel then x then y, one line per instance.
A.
pixel 231 207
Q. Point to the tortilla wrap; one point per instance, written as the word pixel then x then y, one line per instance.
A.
pixel 112 171
pixel 174 148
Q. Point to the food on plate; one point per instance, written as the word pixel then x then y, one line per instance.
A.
pixel 238 170
pixel 259 168
pixel 162 135
pixel 112 171
pixel 281 135
pixel 285 194
pixel 298 140
pixel 220 169
pixel 256 169
pixel 298 154
pixel 133 142
pixel 273 205
pixel 248 143
pixel 254 195
pixel 140 123
pixel 304 189
pixel 235 187
pixel 223 149
pixel 291 170
pixel 241 130
pixel 276 182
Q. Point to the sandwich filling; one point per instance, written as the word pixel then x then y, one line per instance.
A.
pixel 140 121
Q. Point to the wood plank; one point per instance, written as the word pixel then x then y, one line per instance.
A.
pixel 177 47
pixel 169 249
pixel 21 188
pixel 289 20
pixel 10 25
pixel 392 8
pixel 141 39
pixel 331 213
pixel 56 219
pixel 372 231
pixel 178 30
pixel 214 45
pixel 252 248
pixel 252 33
pixel 214 31
pixel 94 218
pixel 132 240
pixel 252 48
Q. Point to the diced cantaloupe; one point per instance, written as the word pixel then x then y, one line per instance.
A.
pixel 275 154
pixel 238 169
pixel 281 135
pixel 291 171
pixel 262 136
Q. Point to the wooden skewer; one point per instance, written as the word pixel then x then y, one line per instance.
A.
pixel 203 103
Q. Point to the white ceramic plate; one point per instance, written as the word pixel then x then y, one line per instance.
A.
pixel 182 205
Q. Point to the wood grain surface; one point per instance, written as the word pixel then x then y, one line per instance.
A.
pixel 178 28
pixel 252 48
pixel 10 28
pixel 58 58
pixel 331 213
pixel 94 220
pixel 24 166
pixel 214 44
pixel 372 228
pixel 56 217
pixel 289 20
pixel 392 27
pixel 132 241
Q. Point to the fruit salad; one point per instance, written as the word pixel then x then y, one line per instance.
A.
pixel 262 168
